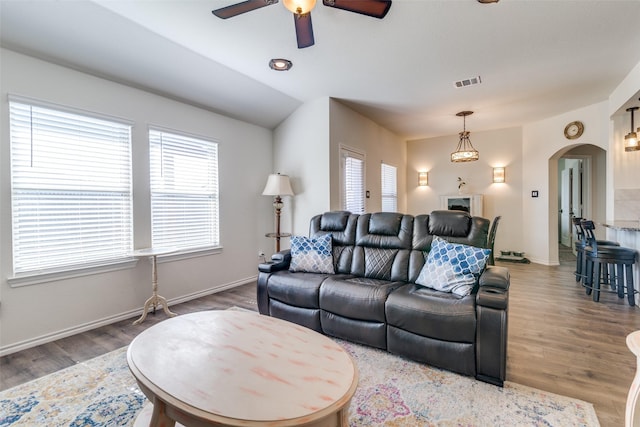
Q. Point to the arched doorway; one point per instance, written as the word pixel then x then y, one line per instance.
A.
pixel 577 181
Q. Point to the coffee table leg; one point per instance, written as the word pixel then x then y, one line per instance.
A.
pixel 159 417
pixel 343 417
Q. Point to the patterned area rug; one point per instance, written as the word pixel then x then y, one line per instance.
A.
pixel 392 392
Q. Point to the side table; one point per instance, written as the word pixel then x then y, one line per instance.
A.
pixel 155 299
pixel 277 236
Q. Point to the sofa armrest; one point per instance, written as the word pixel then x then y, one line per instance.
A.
pixel 279 261
pixel 495 277
pixel 494 288
pixel 492 306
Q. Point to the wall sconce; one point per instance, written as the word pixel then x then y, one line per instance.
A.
pixel 423 179
pixel 498 175
pixel 631 139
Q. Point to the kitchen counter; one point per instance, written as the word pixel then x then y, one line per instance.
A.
pixel 623 225
pixel 627 233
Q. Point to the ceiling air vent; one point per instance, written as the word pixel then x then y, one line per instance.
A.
pixel 467 82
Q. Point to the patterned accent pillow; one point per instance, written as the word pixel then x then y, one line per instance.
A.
pixel 312 255
pixel 452 267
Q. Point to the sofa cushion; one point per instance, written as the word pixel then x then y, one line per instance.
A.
pixel 457 227
pixel 430 313
pixel 297 289
pixel 308 317
pixel 452 267
pixel 452 355
pixel 373 333
pixel 340 224
pixel 356 297
pixel 312 255
pixel 449 223
pixel 385 230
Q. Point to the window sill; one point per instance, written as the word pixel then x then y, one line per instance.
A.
pixel 35 278
pixel 28 279
pixel 181 254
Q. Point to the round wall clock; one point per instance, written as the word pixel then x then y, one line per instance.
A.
pixel 573 130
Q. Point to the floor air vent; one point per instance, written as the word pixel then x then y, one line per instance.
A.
pixel 468 82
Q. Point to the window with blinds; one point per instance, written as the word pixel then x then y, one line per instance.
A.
pixel 389 188
pixel 71 191
pixel 184 191
pixel 352 181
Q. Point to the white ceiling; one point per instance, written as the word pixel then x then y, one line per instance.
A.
pixel 536 58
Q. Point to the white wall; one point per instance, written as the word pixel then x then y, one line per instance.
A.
pixel 351 129
pixel 301 150
pixel 501 147
pixel 306 147
pixel 623 203
pixel 33 314
pixel 543 144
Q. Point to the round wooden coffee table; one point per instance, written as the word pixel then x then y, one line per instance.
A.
pixel 239 368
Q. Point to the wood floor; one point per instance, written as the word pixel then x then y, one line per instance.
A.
pixel 560 341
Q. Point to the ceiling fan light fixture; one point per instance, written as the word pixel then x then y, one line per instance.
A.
pixel 464 151
pixel 299 7
pixel 280 64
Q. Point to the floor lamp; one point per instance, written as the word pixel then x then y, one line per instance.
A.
pixel 278 186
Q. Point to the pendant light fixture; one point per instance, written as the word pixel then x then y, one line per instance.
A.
pixel 631 139
pixel 465 151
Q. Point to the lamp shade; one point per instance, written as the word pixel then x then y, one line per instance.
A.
pixel 277 185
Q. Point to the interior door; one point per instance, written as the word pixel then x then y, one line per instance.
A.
pixel 566 208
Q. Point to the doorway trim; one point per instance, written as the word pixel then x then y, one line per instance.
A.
pixel 554 183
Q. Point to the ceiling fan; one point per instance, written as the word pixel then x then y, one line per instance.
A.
pixel 302 12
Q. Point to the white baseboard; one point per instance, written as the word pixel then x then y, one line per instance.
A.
pixel 43 339
pixel 544 261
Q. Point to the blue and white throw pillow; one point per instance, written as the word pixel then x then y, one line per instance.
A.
pixel 312 255
pixel 452 267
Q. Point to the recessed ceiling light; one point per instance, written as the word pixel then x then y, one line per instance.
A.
pixel 280 64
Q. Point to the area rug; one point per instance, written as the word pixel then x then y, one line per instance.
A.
pixel 392 391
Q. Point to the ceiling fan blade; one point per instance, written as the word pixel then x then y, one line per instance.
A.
pixel 238 8
pixel 304 30
pixel 374 8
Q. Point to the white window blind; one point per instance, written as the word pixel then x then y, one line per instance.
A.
pixel 184 191
pixel 389 188
pixel 70 189
pixel 353 181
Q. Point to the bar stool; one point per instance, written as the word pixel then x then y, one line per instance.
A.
pixel 608 265
pixel 580 244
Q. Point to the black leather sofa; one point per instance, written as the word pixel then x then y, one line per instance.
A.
pixel 373 299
